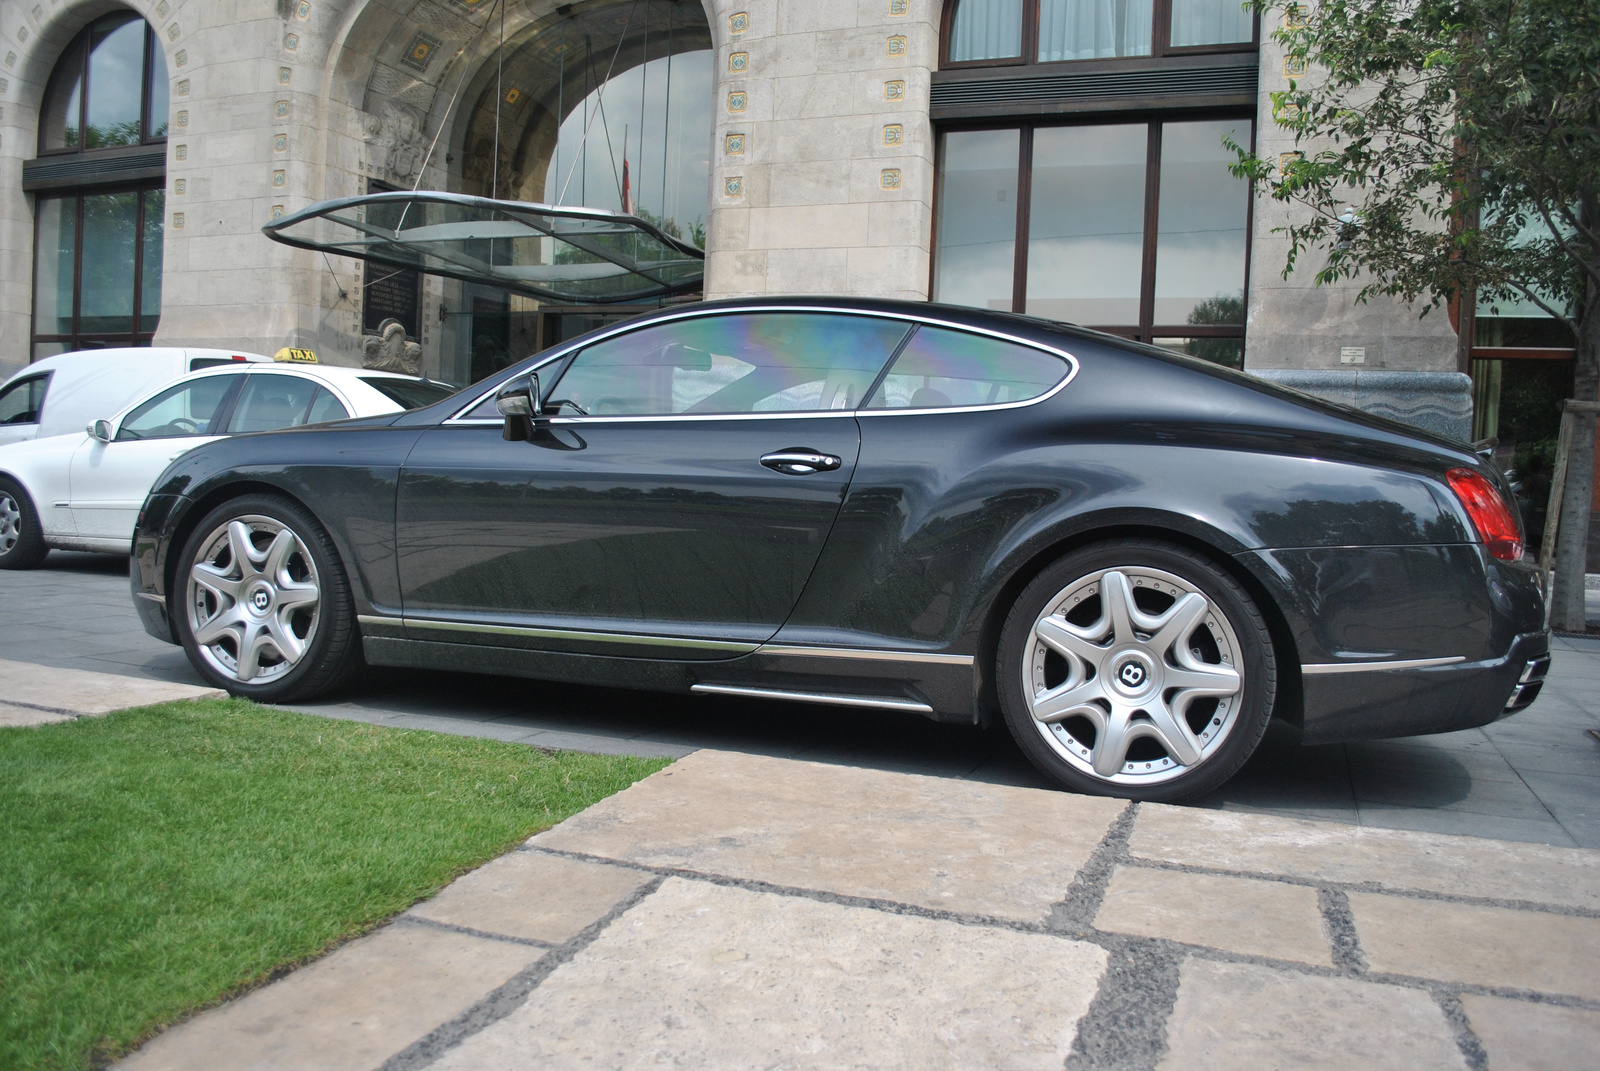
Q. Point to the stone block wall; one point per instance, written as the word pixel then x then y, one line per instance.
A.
pixel 822 158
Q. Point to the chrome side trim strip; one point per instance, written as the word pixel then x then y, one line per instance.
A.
pixel 1319 668
pixel 159 600
pixel 864 653
pixel 460 417
pixel 630 638
pixel 373 619
pixel 875 702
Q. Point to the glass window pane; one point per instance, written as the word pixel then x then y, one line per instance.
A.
pixel 160 100
pixel 53 265
pixel 185 409
pixel 116 84
pixel 1200 247
pixel 269 402
pixel 1210 22
pixel 1094 29
pixel 977 219
pixel 326 408
pixel 155 208
pixel 109 227
pixel 1086 223
pixel 986 29
pixel 751 363
pixel 58 122
pixel 941 368
pixel 20 402
pixel 1228 352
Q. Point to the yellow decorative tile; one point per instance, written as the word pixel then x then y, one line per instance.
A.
pixel 733 186
pixel 896 45
pixel 894 134
pixel 738 62
pixel 737 100
pixel 739 22
pixel 1294 66
pixel 895 89
pixel 889 179
pixel 733 144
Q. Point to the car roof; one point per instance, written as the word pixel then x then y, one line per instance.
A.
pixel 345 381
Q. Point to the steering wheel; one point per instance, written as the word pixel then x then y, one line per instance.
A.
pixel 557 403
pixel 185 425
pixel 610 405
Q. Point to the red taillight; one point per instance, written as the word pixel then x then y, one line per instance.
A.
pixel 240 357
pixel 1490 515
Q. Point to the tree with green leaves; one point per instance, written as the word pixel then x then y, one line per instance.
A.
pixel 1450 148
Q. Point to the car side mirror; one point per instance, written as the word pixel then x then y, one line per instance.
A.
pixel 518 402
pixel 100 430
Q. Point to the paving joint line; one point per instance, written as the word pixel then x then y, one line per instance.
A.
pixel 1076 912
pixel 510 995
pixel 1125 1028
pixel 1340 923
pixel 1347 887
pixel 873 903
pixel 488 935
pixel 74 714
pixel 1466 1038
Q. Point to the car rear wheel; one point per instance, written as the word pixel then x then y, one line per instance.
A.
pixel 1136 668
pixel 22 544
pixel 265 607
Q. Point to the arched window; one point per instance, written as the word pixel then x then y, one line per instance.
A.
pixel 100 178
pixel 1082 166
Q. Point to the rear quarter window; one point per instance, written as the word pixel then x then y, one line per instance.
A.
pixel 943 369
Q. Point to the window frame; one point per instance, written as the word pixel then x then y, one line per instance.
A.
pixel 1146 330
pixel 22 383
pixel 83 42
pixel 1160 41
pixel 139 335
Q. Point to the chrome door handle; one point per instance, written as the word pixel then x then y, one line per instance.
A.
pixel 798 461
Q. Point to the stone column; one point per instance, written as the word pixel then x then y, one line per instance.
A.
pixel 1383 356
pixel 822 158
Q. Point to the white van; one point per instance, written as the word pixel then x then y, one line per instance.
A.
pixel 62 394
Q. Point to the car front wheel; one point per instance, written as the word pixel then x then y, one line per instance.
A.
pixel 265 608
pixel 1136 668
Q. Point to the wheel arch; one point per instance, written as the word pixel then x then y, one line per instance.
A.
pixel 1288 704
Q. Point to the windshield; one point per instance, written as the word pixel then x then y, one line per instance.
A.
pixel 411 393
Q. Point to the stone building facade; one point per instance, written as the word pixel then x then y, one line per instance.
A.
pixel 799 141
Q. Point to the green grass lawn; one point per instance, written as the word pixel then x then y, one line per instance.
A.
pixel 158 859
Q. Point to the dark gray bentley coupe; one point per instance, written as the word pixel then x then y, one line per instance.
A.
pixel 1136 559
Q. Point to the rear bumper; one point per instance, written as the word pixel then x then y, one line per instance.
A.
pixel 1372 704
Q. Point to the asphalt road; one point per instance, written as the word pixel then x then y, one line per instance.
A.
pixel 1534 777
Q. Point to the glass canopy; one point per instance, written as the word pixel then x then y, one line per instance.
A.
pixel 558 254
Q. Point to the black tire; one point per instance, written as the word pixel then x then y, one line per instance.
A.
pixel 22 544
pixel 330 654
pixel 1136 735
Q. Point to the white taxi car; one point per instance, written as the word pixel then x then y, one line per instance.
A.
pixel 83 491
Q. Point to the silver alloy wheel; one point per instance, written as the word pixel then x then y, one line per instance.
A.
pixel 253 599
pixel 10 523
pixel 1133 676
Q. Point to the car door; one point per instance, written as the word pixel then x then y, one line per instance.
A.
pixel 109 481
pixel 20 405
pixel 673 506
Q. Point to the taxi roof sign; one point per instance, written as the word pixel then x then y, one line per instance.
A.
pixel 294 355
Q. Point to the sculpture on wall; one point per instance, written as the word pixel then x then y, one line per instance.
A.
pixel 388 350
pixel 396 139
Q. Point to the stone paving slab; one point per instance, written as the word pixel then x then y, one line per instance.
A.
pixel 938 843
pixel 1533 1037
pixel 734 911
pixel 1243 915
pixel 84 693
pixel 707 976
pixel 1382 858
pixel 534 897
pixel 1243 1017
pixel 346 1012
pixel 1478 945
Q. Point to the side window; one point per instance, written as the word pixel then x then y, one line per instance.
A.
pixel 941 369
pixel 186 409
pixel 767 362
pixel 326 407
pixel 269 402
pixel 21 402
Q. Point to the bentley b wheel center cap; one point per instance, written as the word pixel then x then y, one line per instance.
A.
pixel 1132 674
pixel 260 600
